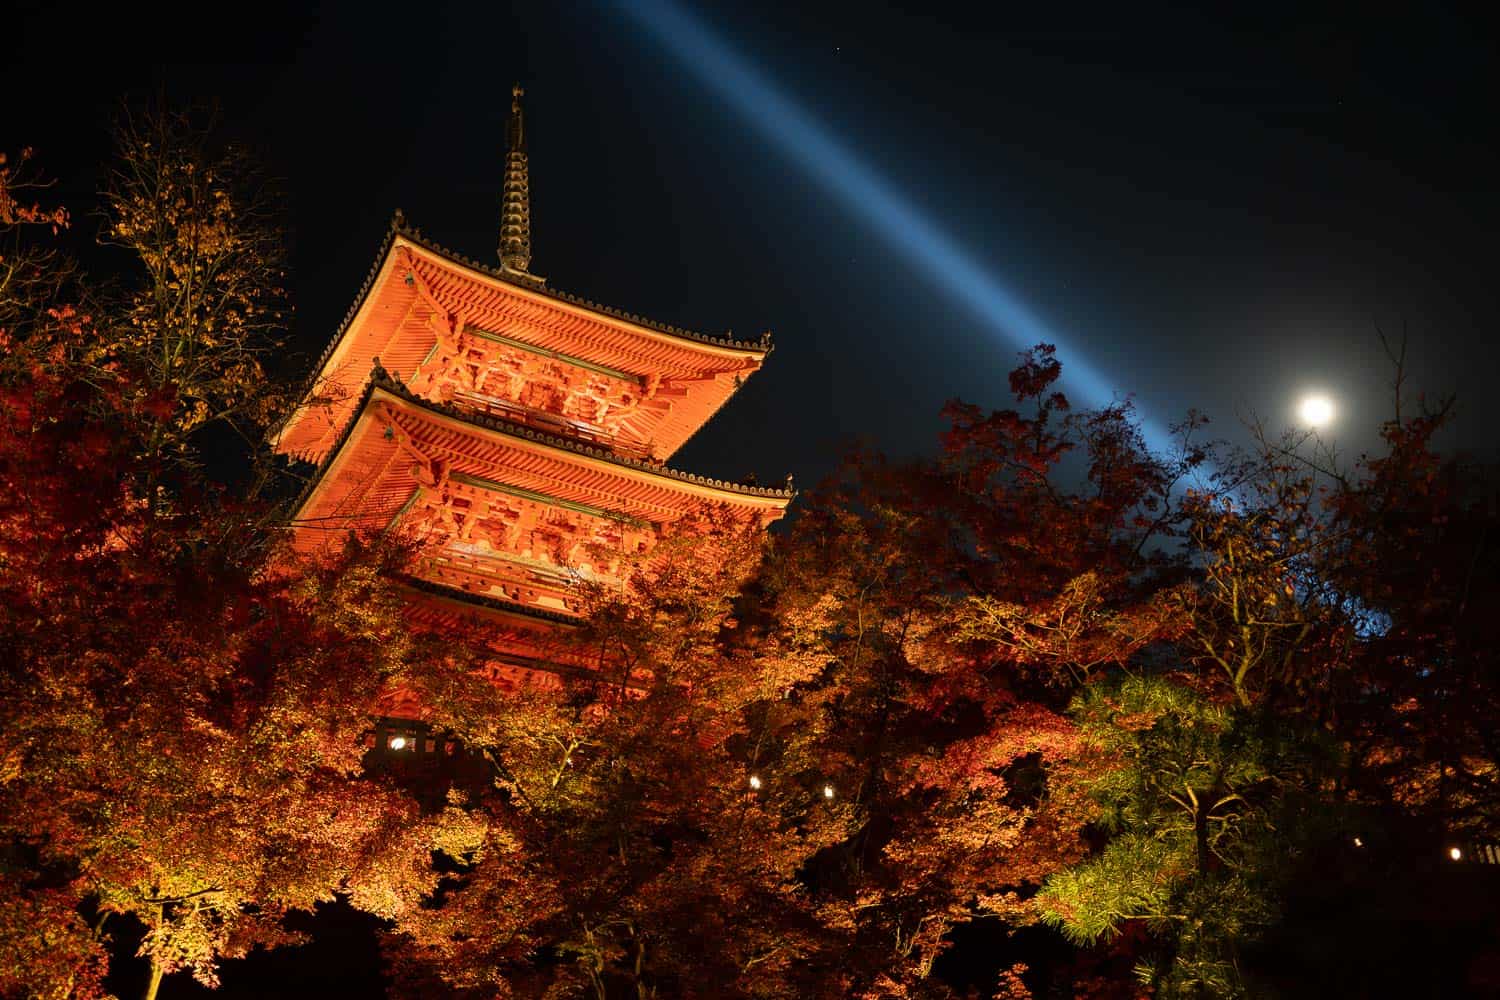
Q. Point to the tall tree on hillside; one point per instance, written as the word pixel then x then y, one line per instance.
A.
pixel 635 845
pixel 182 705
pixel 204 301
pixel 1419 554
pixel 1207 806
pixel 951 606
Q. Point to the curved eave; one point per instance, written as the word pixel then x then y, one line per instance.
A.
pixel 647 327
pixel 463 600
pixel 381 384
pixel 554 657
pixel 534 318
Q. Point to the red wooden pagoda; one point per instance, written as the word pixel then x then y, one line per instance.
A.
pixel 520 432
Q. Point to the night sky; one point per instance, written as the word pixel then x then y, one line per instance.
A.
pixel 1212 213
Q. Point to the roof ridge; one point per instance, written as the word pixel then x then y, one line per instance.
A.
pixel 399 226
pixel 513 278
pixel 398 219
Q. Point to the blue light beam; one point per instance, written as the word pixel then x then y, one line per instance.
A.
pixel 866 194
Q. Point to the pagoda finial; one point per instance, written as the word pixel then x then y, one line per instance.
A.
pixel 515 212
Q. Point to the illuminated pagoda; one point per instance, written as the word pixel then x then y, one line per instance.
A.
pixel 519 432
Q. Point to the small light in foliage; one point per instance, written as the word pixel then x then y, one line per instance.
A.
pixel 1455 854
pixel 827 791
pixel 755 781
pixel 397 743
pixel 1358 842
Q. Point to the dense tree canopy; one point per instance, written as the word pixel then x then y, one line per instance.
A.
pixel 183 703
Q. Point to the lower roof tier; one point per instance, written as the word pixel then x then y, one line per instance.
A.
pixel 499 510
pixel 519 648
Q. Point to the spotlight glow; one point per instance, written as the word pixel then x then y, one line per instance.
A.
pixel 827 791
pixel 1316 411
pixel 397 743
pixel 755 781
pixel 867 195
pixel 1455 854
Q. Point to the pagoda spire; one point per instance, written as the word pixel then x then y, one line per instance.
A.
pixel 515 212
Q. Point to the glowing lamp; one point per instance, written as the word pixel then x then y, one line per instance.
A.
pixel 827 791
pixel 1455 854
pixel 755 781
pixel 1358 842
pixel 397 743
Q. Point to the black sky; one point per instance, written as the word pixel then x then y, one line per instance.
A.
pixel 1217 210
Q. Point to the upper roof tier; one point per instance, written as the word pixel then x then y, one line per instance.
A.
pixel 497 342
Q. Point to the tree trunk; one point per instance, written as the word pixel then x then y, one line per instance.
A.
pixel 1200 839
pixel 155 983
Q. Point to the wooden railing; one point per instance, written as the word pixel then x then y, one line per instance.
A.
pixel 553 423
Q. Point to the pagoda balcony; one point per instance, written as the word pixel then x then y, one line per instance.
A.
pixel 527 582
pixel 555 424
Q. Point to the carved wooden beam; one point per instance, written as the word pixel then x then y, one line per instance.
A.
pixel 429 471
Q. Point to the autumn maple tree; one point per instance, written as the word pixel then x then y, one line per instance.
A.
pixel 183 703
pixel 1419 552
pixel 207 307
pixel 940 613
pixel 633 842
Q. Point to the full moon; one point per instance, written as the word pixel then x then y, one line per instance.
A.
pixel 1316 411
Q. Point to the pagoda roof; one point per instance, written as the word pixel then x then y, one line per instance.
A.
pixel 399 454
pixel 380 381
pixel 515 309
pixel 538 647
pixel 544 617
pixel 399 229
